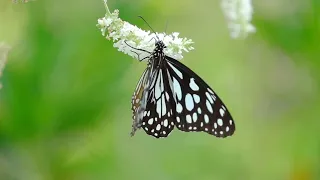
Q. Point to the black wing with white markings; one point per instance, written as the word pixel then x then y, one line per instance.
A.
pixel 170 94
pixel 159 115
pixel 198 108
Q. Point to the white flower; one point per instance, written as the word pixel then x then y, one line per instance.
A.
pixel 4 49
pixel 239 15
pixel 128 38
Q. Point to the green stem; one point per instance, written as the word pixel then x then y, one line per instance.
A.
pixel 106 6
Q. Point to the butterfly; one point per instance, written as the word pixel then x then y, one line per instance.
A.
pixel 170 95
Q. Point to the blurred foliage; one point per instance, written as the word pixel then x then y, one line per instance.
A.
pixel 65 102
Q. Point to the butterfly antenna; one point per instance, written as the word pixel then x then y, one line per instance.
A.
pixel 149 26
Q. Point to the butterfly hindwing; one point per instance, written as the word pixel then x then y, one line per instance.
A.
pixel 198 108
pixel 138 100
pixel 137 94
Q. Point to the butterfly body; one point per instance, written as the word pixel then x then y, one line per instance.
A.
pixel 170 95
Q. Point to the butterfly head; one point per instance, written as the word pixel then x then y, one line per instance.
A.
pixel 158 51
pixel 160 45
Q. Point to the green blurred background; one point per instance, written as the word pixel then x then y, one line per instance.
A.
pixel 65 103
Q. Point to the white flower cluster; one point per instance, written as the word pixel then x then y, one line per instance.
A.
pixel 128 37
pixel 239 16
pixel 4 49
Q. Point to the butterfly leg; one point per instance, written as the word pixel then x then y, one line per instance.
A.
pixel 153 38
pixel 137 48
pixel 139 56
pixel 136 54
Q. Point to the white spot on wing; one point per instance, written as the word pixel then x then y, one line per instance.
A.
pixel 214 97
pixel 206 119
pixel 199 110
pixel 163 106
pixel 209 97
pixel 209 106
pixel 165 123
pixel 178 119
pixel 220 122
pixel 159 84
pixel 210 91
pixel 221 112
pixel 150 121
pixel 194 117
pixel 196 98
pixel 177 88
pixel 179 108
pixel 188 118
pixel 189 102
pixel 193 85
pixel 176 71
pixel 158 127
pixel 159 107
pixel 167 96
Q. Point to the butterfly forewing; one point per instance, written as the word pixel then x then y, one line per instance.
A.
pixel 198 108
pixel 158 117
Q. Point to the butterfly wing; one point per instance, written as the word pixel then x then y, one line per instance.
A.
pixel 159 115
pixel 137 94
pixel 198 108
pixel 138 99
